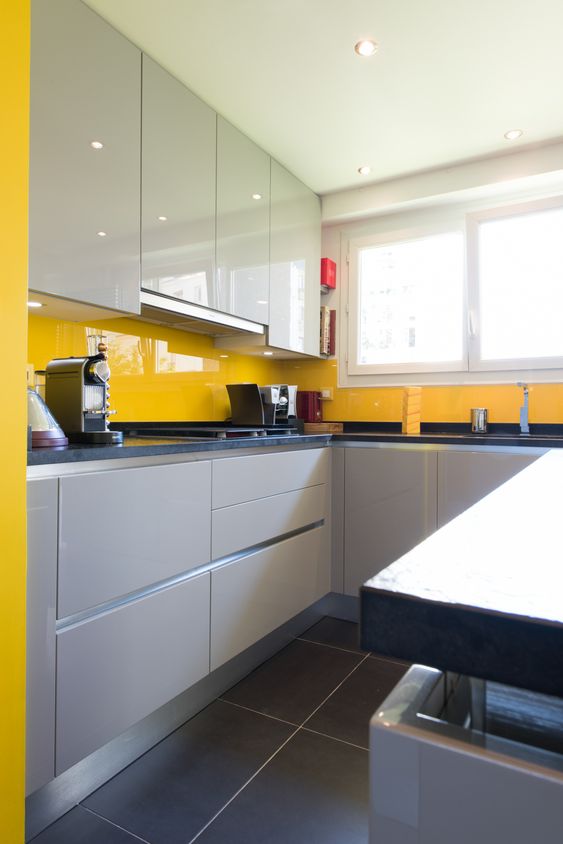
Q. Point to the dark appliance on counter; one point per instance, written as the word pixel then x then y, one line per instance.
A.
pixel 77 393
pixel 254 405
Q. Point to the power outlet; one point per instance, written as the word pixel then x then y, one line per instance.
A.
pixel 326 394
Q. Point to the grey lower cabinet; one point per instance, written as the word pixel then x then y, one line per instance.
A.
pixel 85 144
pixel 254 595
pixel 125 529
pixel 390 506
pixel 118 667
pixel 178 179
pixel 42 505
pixel 464 477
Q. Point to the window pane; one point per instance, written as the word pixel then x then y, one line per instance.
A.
pixel 411 301
pixel 521 286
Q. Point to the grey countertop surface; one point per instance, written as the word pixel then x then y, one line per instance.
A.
pixel 483 595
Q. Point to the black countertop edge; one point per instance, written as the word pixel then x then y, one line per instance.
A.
pixel 514 650
pixel 82 453
pixel 517 440
pixel 493 428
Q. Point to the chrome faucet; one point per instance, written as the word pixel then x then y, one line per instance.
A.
pixel 524 426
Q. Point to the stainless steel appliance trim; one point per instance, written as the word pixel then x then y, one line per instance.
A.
pixel 176 306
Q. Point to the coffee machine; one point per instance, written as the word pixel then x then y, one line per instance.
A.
pixel 77 393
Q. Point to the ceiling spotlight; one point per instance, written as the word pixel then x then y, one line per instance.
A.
pixel 366 47
pixel 364 171
pixel 223 356
pixel 96 145
pixel 162 218
pixel 268 354
pixel 101 234
pixel 261 301
pixel 256 196
pixel 34 305
pixel 512 134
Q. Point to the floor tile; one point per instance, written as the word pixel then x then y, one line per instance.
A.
pixel 172 791
pixel 294 682
pixel 347 712
pixel 81 827
pixel 314 791
pixel 335 632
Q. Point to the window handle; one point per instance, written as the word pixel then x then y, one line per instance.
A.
pixel 471 323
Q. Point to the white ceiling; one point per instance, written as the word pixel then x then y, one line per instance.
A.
pixel 450 76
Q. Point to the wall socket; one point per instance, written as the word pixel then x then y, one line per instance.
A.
pixel 326 394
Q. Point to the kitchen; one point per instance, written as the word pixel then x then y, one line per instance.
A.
pixel 194 394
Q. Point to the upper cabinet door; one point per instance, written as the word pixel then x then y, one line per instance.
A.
pixel 295 255
pixel 84 201
pixel 178 189
pixel 243 225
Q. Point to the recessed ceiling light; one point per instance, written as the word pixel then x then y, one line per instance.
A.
pixel 101 234
pixel 34 304
pixel 366 47
pixel 223 356
pixel 261 301
pixel 268 353
pixel 365 170
pixel 96 145
pixel 162 218
pixel 512 134
pixel 256 196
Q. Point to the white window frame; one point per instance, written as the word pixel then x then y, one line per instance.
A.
pixel 476 364
pixel 404 236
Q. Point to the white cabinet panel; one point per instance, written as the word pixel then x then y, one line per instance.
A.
pixel 295 253
pixel 390 506
pixel 125 529
pixel 253 596
pixel 85 87
pixel 243 525
pixel 464 477
pixel 122 665
pixel 42 505
pixel 240 479
pixel 243 225
pixel 178 164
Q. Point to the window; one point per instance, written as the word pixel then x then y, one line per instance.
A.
pixel 484 296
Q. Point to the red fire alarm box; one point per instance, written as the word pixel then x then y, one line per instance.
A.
pixel 328 274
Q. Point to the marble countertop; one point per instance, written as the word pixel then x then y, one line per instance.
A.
pixel 482 596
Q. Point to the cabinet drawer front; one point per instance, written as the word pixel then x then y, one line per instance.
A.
pixel 244 525
pixel 123 530
pixel 119 667
pixel 240 479
pixel 253 596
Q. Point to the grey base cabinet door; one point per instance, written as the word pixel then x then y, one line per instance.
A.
pixel 464 477
pixel 390 506
pixel 42 503
pixel 126 529
pixel 120 666
pixel 254 595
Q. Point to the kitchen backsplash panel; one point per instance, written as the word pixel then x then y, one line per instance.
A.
pixel 157 373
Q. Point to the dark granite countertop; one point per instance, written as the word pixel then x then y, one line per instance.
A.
pixel 156 446
pixel 483 596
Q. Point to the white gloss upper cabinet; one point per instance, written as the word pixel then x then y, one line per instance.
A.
pixel 243 224
pixel 84 203
pixel 295 253
pixel 178 189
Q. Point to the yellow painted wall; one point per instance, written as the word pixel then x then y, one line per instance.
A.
pixel 439 404
pixel 14 96
pixel 158 373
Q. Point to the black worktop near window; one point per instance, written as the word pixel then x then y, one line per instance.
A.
pixel 483 595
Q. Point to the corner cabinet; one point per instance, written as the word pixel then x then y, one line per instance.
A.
pixel 178 198
pixel 84 203
pixel 295 257
pixel 243 225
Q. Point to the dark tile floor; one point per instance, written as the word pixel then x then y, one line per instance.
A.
pixel 281 758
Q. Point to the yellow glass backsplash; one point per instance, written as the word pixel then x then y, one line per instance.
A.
pixel 439 404
pixel 161 373
pixel 157 373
